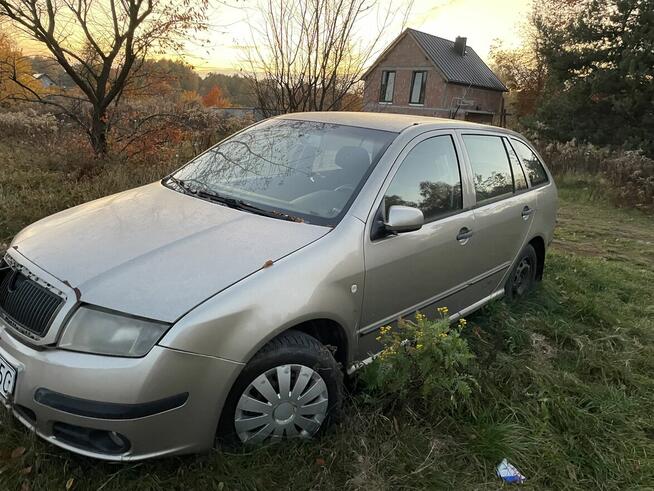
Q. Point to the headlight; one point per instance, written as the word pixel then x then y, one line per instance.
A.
pixel 104 333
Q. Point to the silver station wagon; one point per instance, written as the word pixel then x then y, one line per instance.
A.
pixel 231 298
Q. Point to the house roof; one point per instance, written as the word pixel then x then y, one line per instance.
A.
pixel 466 70
pixel 39 76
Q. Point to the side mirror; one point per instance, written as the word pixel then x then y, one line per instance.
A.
pixel 404 219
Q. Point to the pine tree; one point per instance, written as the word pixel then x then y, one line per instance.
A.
pixel 600 65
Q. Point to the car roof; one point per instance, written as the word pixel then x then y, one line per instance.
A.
pixel 389 121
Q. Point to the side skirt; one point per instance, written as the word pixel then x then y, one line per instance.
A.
pixel 453 318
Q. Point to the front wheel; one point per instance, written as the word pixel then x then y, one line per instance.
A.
pixel 523 275
pixel 292 388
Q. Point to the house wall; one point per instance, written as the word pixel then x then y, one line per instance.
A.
pixel 440 101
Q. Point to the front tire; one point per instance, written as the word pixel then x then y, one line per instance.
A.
pixel 523 275
pixel 292 388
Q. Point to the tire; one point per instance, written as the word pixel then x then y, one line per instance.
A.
pixel 299 363
pixel 523 275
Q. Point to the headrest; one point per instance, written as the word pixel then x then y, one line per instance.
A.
pixel 351 157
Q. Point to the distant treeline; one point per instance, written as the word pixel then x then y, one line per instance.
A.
pixel 178 75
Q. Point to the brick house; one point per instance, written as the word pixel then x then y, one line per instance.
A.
pixel 430 76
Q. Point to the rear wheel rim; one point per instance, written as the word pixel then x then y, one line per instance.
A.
pixel 522 276
pixel 287 401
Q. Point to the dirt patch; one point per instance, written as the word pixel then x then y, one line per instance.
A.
pixel 543 349
pixel 582 248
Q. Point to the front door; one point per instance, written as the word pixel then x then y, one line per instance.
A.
pixel 431 266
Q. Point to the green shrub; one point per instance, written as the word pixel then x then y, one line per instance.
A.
pixel 422 360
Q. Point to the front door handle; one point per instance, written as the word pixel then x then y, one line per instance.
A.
pixel 526 212
pixel 464 234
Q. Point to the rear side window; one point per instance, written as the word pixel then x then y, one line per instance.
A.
pixel 428 179
pixel 490 166
pixel 532 165
pixel 519 178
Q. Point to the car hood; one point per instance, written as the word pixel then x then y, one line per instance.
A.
pixel 157 253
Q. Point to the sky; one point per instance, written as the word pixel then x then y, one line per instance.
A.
pixel 481 21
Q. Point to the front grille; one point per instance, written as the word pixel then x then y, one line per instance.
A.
pixel 24 304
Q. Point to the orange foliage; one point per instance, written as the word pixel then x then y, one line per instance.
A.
pixel 189 96
pixel 13 64
pixel 215 98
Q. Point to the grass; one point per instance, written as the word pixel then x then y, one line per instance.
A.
pixel 36 182
pixel 566 377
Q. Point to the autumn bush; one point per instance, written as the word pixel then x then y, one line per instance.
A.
pixel 625 176
pixel 28 123
pixel 48 165
pixel 152 125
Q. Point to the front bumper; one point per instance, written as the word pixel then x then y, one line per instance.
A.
pixel 196 384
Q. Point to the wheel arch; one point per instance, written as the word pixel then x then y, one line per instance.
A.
pixel 328 332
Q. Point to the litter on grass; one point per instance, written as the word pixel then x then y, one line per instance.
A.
pixel 508 473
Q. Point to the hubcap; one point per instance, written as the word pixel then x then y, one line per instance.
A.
pixel 285 401
pixel 522 276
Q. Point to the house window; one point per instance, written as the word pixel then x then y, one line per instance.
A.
pixel 417 95
pixel 387 86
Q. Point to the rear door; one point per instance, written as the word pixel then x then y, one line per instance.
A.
pixel 504 208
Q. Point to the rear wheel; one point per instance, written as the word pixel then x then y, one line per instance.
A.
pixel 292 388
pixel 523 276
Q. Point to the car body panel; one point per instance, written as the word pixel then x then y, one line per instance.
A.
pixel 500 230
pixel 171 249
pixel 237 322
pixel 162 373
pixel 430 259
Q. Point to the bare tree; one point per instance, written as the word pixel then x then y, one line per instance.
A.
pixel 100 44
pixel 307 55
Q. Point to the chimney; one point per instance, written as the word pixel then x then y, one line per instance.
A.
pixel 460 45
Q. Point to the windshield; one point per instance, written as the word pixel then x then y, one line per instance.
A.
pixel 307 170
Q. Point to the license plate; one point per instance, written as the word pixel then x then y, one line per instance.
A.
pixel 7 378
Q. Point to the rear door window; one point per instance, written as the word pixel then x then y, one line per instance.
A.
pixel 428 179
pixel 532 165
pixel 490 166
pixel 518 172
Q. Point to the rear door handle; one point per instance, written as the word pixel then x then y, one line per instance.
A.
pixel 526 212
pixel 464 234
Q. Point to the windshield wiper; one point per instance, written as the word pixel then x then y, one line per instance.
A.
pixel 240 204
pixel 181 184
pixel 235 203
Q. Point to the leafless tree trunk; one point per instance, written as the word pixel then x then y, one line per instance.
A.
pixel 308 57
pixel 116 37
